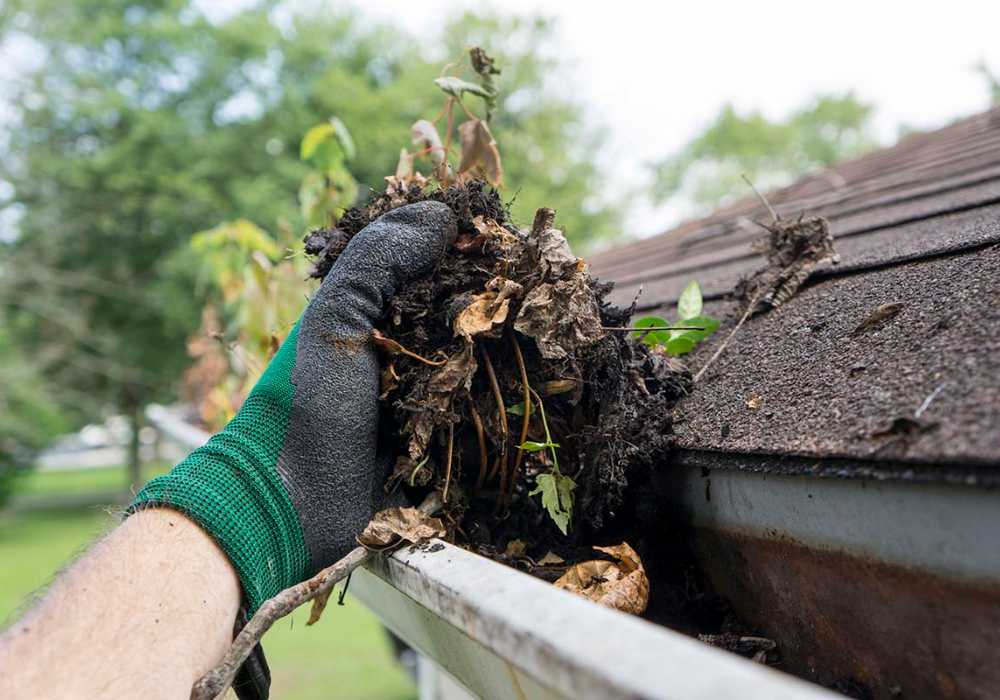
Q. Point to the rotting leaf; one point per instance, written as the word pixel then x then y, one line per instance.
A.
pixel 392 526
pixel 484 316
pixel 793 249
pixel 318 606
pixel 426 138
pixel 515 548
pixel 882 313
pixel 557 492
pixel 754 401
pixel 621 584
pixel 480 156
pixel 550 559
pixel 561 317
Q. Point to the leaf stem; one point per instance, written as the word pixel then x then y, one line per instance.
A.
pixel 413 474
pixel 527 417
pixel 548 436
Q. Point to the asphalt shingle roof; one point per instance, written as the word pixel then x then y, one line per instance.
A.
pixel 917 224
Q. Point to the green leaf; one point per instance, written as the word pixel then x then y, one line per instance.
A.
pixel 331 140
pixel 679 346
pixel 313 138
pixel 689 305
pixel 517 409
pixel 707 322
pixel 652 337
pixel 557 497
pixel 532 446
pixel 456 86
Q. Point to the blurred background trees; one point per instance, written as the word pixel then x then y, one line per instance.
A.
pixel 772 153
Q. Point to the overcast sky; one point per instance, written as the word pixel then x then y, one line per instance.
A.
pixel 655 73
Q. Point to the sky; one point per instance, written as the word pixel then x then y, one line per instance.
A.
pixel 656 73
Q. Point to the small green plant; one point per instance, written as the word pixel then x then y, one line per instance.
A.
pixel 555 487
pixel 679 341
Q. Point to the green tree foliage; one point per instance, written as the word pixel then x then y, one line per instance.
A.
pixel 134 125
pixel 707 172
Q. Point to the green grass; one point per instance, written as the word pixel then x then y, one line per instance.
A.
pixel 101 480
pixel 346 655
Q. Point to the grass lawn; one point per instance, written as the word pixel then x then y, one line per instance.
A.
pixel 102 480
pixel 346 655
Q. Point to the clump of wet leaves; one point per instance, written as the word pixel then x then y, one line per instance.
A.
pixel 502 385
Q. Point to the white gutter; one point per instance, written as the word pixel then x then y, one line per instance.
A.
pixel 503 634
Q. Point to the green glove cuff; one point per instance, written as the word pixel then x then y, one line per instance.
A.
pixel 231 488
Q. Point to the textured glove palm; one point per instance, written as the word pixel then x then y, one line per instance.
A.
pixel 288 483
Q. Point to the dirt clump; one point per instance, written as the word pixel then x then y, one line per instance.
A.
pixel 500 368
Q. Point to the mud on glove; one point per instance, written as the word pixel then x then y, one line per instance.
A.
pixel 290 481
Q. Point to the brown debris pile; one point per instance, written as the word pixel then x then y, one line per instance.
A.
pixel 498 369
pixel 792 249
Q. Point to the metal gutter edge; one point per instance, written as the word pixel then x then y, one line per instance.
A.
pixel 504 634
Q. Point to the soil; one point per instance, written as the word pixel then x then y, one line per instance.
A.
pixel 607 399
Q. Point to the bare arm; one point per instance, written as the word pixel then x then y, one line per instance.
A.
pixel 144 614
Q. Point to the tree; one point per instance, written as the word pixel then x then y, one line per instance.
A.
pixel 708 171
pixel 136 124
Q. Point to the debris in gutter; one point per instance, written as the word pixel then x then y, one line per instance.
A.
pixel 754 648
pixel 883 313
pixel 620 584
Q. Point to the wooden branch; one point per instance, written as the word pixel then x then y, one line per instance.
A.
pixel 216 681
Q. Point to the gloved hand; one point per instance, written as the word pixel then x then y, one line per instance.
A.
pixel 290 481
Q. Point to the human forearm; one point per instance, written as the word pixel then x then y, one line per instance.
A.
pixel 143 614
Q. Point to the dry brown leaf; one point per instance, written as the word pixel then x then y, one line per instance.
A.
pixel 754 401
pixel 561 317
pixel 480 156
pixel 620 584
pixel 551 558
pixel 484 316
pixel 388 380
pixel 495 234
pixel 425 136
pixel 318 606
pixel 515 548
pixel 391 526
pixel 558 386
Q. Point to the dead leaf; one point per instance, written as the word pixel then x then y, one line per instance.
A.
pixel 620 584
pixel 551 558
pixel 480 157
pixel 454 375
pixel 392 526
pixel 793 248
pixel 558 386
pixel 561 317
pixel 484 316
pixel 425 136
pixel 882 313
pixel 494 234
pixel 754 401
pixel 515 548
pixel 318 606
pixel 388 380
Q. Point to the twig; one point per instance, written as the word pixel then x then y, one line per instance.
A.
pixel 483 460
pixel 652 328
pixel 927 402
pixel 714 357
pixel 527 417
pixel 503 417
pixel 216 681
pixel 447 473
pixel 767 204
